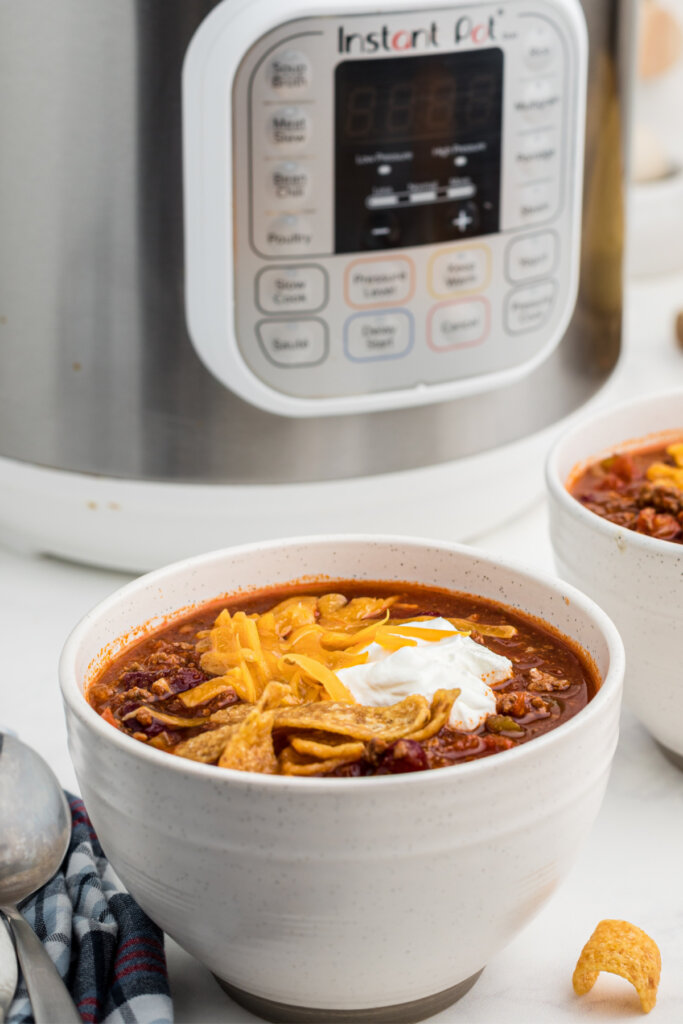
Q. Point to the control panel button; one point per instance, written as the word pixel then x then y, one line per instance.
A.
pixel 461 269
pixel 289 73
pixel 369 336
pixel 289 127
pixel 289 180
pixel 293 342
pixel 379 282
pixel 532 256
pixel 458 324
pixel 539 46
pixel 536 203
pixel 289 235
pixel 527 309
pixel 288 289
pixel 536 154
pixel 539 100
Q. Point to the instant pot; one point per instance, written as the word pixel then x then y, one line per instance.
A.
pixel 268 271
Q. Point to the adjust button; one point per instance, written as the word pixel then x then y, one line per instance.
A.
pixel 293 342
pixel 289 126
pixel 379 282
pixel 531 256
pixel 290 289
pixel 460 270
pixel 460 324
pixel 528 309
pixel 371 336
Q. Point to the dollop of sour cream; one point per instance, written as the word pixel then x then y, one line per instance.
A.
pixel 458 661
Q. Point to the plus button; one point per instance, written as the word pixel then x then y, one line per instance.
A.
pixel 462 221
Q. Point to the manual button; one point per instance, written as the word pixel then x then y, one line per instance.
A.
pixel 293 342
pixel 370 336
pixel 289 289
pixel 527 309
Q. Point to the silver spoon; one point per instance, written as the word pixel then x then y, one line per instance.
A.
pixel 35 827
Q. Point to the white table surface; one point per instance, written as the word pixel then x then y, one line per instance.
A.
pixel 632 865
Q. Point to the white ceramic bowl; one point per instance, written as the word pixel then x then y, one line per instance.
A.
pixel 637 580
pixel 380 897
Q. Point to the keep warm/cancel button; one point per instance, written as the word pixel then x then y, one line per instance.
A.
pixel 293 342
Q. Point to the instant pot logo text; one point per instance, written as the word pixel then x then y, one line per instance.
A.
pixel 465 30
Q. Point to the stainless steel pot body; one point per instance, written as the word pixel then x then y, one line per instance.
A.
pixel 97 373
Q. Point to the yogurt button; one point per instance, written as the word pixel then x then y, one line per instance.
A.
pixel 532 256
pixel 293 342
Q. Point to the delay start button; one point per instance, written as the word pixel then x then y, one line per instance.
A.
pixel 371 336
pixel 369 283
pixel 290 289
pixel 293 342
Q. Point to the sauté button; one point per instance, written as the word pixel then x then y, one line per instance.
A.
pixel 531 256
pixel 379 282
pixel 527 309
pixel 461 269
pixel 458 324
pixel 293 342
pixel 289 126
pixel 288 289
pixel 371 336
pixel 289 73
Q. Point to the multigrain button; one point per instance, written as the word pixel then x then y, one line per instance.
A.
pixel 538 100
pixel 293 342
pixel 289 180
pixel 371 336
pixel 460 270
pixel 289 127
pixel 379 282
pixel 290 289
pixel 289 73
pixel 527 309
pixel 289 235
pixel 453 325
pixel 531 256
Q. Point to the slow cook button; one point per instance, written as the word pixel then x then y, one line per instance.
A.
pixel 531 256
pixel 528 309
pixel 289 126
pixel 458 324
pixel 289 235
pixel 456 270
pixel 370 336
pixel 289 289
pixel 379 282
pixel 293 342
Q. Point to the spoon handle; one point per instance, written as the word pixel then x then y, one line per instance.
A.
pixel 49 996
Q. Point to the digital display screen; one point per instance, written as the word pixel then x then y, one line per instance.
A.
pixel 418 144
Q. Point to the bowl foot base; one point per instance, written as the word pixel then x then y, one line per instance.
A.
pixel 671 755
pixel 398 1013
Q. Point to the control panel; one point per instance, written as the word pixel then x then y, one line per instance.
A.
pixel 404 198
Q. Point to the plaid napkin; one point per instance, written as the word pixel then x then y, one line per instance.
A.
pixel 104 946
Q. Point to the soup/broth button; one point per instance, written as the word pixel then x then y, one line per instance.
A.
pixel 293 342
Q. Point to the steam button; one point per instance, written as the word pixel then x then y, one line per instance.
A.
pixel 289 73
pixel 290 127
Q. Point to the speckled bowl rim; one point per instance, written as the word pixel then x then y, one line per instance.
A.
pixel 557 487
pixel 79 707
